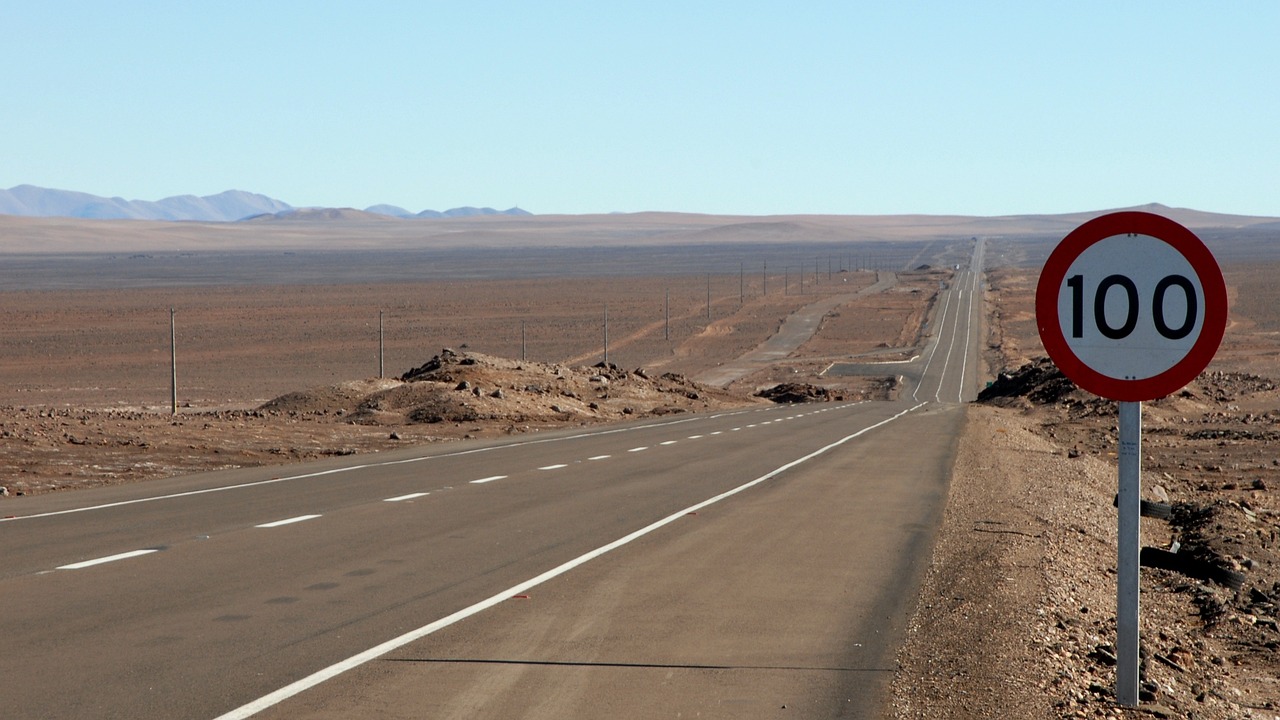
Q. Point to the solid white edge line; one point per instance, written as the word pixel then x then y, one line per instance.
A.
pixel 350 468
pixel 112 558
pixel 482 481
pixel 298 686
pixel 410 496
pixel 290 521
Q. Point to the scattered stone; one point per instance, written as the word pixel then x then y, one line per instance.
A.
pixel 795 393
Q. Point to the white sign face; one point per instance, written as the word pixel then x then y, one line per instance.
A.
pixel 1131 306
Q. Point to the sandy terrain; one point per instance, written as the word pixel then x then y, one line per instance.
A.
pixel 1017 617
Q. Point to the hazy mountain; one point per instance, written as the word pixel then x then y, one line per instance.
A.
pixel 32 201
pixel 392 210
pixel 397 211
pixel 320 215
pixel 232 205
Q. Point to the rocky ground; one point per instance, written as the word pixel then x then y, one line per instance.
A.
pixel 1017 616
pixel 455 394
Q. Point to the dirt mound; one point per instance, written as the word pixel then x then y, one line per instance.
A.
pixel 336 399
pixel 457 387
pixel 797 393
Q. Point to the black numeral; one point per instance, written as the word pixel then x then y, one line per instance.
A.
pixel 1076 283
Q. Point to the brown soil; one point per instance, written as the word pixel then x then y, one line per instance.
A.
pixel 275 374
pixel 1017 616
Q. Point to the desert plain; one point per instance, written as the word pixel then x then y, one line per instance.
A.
pixel 287 352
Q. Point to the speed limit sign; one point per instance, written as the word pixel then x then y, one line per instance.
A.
pixel 1131 306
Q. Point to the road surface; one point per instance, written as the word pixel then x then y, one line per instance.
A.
pixel 722 565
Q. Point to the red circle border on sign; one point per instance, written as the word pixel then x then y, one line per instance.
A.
pixel 1182 240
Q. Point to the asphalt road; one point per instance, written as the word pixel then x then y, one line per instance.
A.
pixel 724 565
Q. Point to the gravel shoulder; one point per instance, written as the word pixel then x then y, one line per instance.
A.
pixel 1016 616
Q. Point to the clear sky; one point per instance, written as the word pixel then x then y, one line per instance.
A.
pixel 742 107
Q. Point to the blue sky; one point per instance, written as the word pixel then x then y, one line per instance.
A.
pixel 742 107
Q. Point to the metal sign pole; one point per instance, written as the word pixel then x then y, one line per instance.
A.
pixel 1127 632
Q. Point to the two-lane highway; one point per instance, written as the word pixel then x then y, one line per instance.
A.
pixel 721 564
pixel 246 587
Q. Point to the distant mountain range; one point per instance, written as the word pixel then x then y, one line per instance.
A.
pixel 229 206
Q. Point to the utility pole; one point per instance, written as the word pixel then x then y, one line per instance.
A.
pixel 606 335
pixel 708 296
pixel 666 312
pixel 173 362
pixel 742 287
pixel 524 347
pixel 381 347
pixel 765 279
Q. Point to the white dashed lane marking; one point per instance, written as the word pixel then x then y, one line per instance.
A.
pixel 110 558
pixel 410 496
pixel 482 481
pixel 600 457
pixel 553 467
pixel 670 442
pixel 638 449
pixel 290 521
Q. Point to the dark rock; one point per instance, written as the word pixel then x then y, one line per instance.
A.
pixel 795 393
pixel 1039 381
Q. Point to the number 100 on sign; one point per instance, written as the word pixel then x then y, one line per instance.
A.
pixel 1131 306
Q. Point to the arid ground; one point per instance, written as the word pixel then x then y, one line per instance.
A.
pixel 267 374
pixel 1016 617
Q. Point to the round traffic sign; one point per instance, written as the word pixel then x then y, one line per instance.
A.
pixel 1131 306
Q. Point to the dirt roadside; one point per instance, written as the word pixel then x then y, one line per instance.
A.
pixel 1017 613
